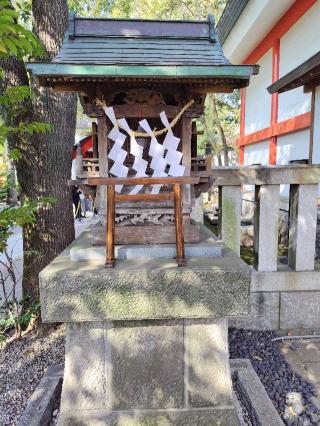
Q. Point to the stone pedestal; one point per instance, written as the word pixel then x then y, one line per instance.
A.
pixel 147 372
pixel 147 340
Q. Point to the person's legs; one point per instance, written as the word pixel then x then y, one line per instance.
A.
pixel 78 211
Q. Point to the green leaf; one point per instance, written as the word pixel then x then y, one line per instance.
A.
pixel 3 48
pixel 9 43
pixel 8 28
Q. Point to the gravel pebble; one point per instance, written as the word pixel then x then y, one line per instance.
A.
pixel 290 393
pixel 22 365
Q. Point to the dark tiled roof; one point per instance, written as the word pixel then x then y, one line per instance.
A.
pixel 141 42
pixel 229 17
pixel 306 73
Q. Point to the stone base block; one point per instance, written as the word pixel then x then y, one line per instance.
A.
pixel 195 417
pixel 263 315
pixel 141 289
pixel 168 372
pixel 300 310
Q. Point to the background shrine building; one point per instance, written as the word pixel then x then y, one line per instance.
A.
pixel 279 36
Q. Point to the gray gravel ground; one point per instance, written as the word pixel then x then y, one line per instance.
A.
pixel 290 393
pixel 22 365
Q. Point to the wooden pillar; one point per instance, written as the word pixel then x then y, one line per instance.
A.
pixel 110 257
pixel 103 162
pixel 313 104
pixel 79 165
pixel 186 134
pixel 178 224
pixel 194 140
pixel 95 139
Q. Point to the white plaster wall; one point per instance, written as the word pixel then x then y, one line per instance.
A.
pixel 301 41
pixel 296 46
pixel 316 129
pixel 294 146
pixel 256 20
pixel 258 100
pixel 257 153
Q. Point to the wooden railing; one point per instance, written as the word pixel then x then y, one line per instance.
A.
pixel 86 167
pixel 303 196
pixel 89 167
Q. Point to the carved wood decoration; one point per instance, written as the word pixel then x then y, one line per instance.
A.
pixel 144 96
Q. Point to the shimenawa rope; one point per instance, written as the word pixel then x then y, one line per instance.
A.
pixel 155 132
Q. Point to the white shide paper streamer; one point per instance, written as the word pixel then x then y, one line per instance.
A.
pixel 162 154
pixel 173 156
pixel 156 151
pixel 140 165
pixel 117 154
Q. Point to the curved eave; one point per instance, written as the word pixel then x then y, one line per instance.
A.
pixel 43 71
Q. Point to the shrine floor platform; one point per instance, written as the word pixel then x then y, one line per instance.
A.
pixel 83 250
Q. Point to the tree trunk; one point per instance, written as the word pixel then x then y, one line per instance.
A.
pixel 220 130
pixel 45 166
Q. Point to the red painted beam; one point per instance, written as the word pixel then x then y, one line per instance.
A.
pixel 296 11
pixel 242 122
pixel 274 101
pixel 300 122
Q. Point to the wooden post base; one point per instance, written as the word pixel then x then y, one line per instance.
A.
pixel 181 261
pixel 110 263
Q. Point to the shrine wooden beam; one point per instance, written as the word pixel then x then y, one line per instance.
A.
pixel 174 71
pixel 138 181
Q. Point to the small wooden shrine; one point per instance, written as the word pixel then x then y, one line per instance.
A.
pixel 143 68
pixel 146 341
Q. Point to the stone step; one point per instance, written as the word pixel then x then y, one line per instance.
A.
pixel 159 251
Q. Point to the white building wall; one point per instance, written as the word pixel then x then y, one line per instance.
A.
pixel 252 26
pixel 257 153
pixel 316 129
pixel 258 100
pixel 294 146
pixel 296 46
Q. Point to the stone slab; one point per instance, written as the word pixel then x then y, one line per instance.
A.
pixel 205 337
pixel 266 218
pixel 300 309
pixel 194 417
pixel 285 279
pixel 147 365
pixel 230 216
pixel 84 383
pixel 144 289
pixel 157 251
pixel 253 394
pixel 266 175
pixel 263 315
pixel 302 226
pixel 147 372
pixel 43 400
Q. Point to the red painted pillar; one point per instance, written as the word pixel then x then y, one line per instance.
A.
pixel 274 101
pixel 242 122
